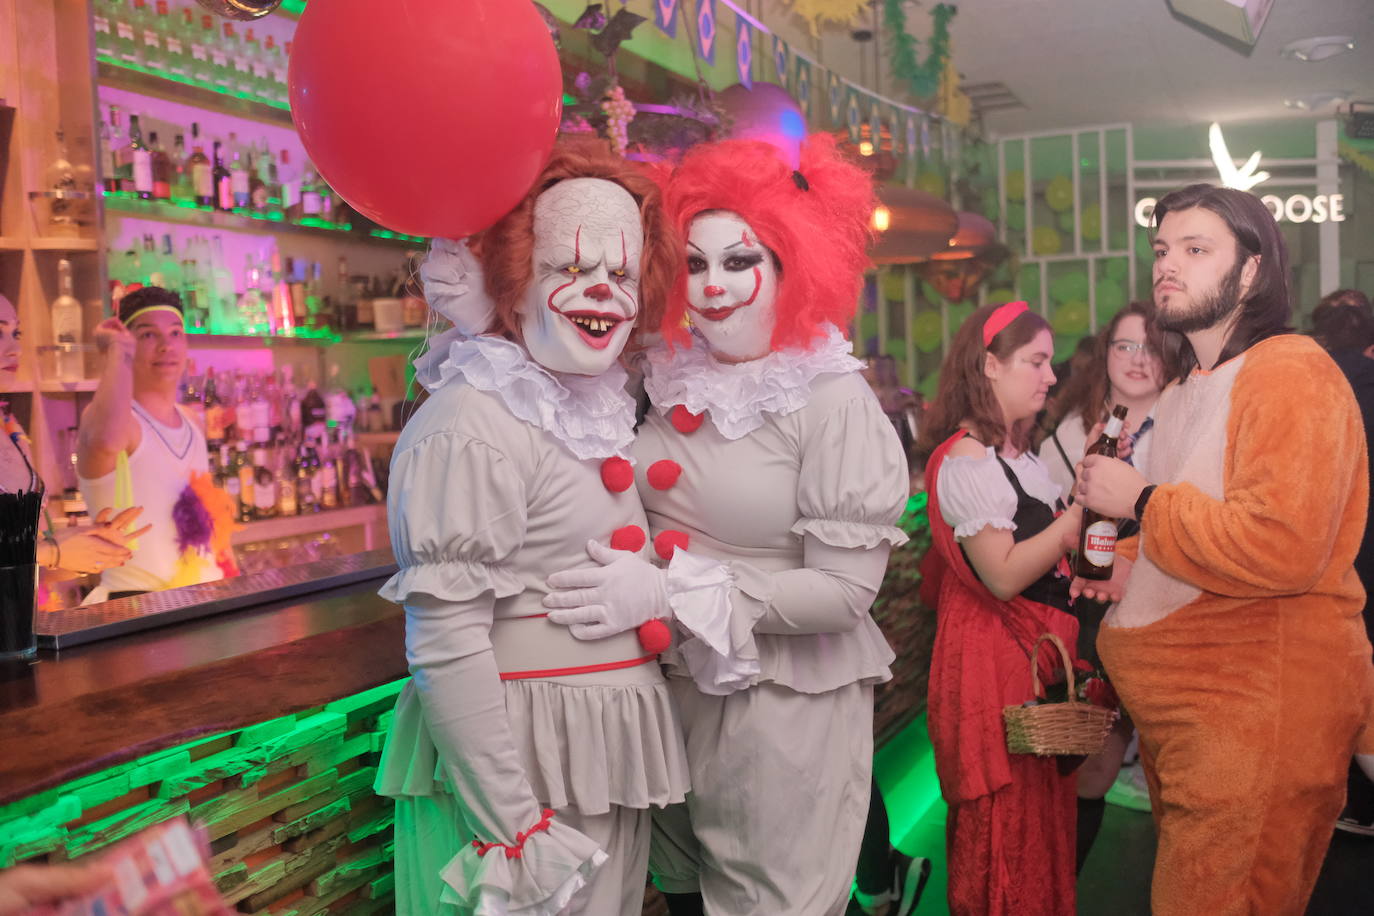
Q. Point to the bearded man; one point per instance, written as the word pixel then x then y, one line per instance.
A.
pixel 1237 644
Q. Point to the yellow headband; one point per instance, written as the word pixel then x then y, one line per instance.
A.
pixel 159 307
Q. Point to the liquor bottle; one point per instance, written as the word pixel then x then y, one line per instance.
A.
pixel 287 504
pixel 150 35
pixel 312 412
pixel 111 139
pixel 264 486
pixel 1097 538
pixel 257 188
pixel 161 165
pixel 67 329
pixel 222 474
pixel 202 173
pixel 276 70
pixel 190 396
pixel 222 282
pixel 241 73
pixel 140 161
pixel 169 266
pixel 178 54
pixel 103 28
pixel 306 502
pixel 126 38
pixel 312 200
pixel 182 188
pixel 222 74
pixel 289 187
pixel 256 66
pixel 250 302
pixel 224 188
pixel 214 412
pixel 283 311
pixel 238 179
pixel 327 480
pixel 194 302
pixel 61 177
pixel 244 469
pixel 199 36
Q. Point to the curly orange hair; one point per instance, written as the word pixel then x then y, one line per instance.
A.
pixel 815 221
pixel 506 250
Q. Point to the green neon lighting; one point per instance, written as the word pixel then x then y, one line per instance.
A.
pixel 187 81
pixel 294 7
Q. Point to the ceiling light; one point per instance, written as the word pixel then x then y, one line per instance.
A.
pixel 1318 100
pixel 1315 49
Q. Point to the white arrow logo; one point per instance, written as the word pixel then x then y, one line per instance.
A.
pixel 1243 178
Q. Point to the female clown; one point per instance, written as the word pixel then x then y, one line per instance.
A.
pixel 772 481
pixel 524 762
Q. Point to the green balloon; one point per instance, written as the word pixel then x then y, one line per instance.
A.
pixel 1016 185
pixel 1071 319
pixel 1059 193
pixel 1109 300
pixel 1118 270
pixel 1065 221
pixel 931 183
pixel 1117 240
pixel 1092 223
pixel 894 286
pixel 1068 287
pixel 929 293
pixel 927 331
pixel 1016 216
pixel 1002 294
pixel 1046 240
pixel 895 348
pixel 868 325
pixel 958 314
pixel 1144 248
pixel 929 385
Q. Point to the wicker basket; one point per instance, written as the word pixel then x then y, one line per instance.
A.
pixel 1053 729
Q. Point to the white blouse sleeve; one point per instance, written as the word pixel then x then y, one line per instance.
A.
pixel 456 514
pixel 974 494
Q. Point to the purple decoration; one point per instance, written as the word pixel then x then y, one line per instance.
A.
pixel 192 520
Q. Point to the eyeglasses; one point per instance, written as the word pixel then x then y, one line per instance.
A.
pixel 1126 348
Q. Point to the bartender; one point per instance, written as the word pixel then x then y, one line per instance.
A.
pixel 138 447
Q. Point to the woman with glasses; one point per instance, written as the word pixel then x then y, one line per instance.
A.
pixel 1126 367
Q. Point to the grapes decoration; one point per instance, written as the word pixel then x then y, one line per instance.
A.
pixel 620 111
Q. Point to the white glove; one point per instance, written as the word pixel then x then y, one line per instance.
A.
pixel 454 287
pixel 621 594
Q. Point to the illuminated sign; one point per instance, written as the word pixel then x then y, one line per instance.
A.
pixel 1296 208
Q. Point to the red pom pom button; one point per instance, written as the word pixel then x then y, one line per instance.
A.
pixel 684 421
pixel 668 541
pixel 655 636
pixel 663 474
pixel 617 474
pixel 631 538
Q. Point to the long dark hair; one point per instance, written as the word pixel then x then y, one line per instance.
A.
pixel 965 393
pixel 1343 320
pixel 1088 385
pixel 1266 308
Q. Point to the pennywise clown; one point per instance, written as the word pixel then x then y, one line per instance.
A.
pixel 772 482
pixel 524 762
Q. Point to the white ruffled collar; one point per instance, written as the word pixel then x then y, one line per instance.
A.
pixel 737 395
pixel 592 415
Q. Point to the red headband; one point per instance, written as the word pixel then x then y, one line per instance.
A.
pixel 1000 318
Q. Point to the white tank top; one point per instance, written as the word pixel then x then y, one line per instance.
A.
pixel 159 470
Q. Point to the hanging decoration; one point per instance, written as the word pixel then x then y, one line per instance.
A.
pixel 706 30
pixel 835 97
pixel 780 63
pixel 922 78
pixel 840 12
pixel 744 51
pixel 801 85
pixel 665 17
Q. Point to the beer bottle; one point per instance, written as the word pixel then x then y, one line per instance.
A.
pixel 1097 538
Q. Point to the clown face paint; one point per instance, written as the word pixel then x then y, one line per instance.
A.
pixel 584 297
pixel 732 286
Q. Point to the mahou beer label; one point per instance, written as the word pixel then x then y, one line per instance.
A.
pixel 1099 543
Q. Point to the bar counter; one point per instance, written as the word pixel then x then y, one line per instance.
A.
pixel 263 724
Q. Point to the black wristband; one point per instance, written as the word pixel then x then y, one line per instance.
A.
pixel 1141 500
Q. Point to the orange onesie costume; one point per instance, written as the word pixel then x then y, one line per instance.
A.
pixel 1239 649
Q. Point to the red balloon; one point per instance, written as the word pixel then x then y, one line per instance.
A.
pixel 431 117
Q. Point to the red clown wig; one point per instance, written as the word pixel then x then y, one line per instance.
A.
pixel 815 220
pixel 506 250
